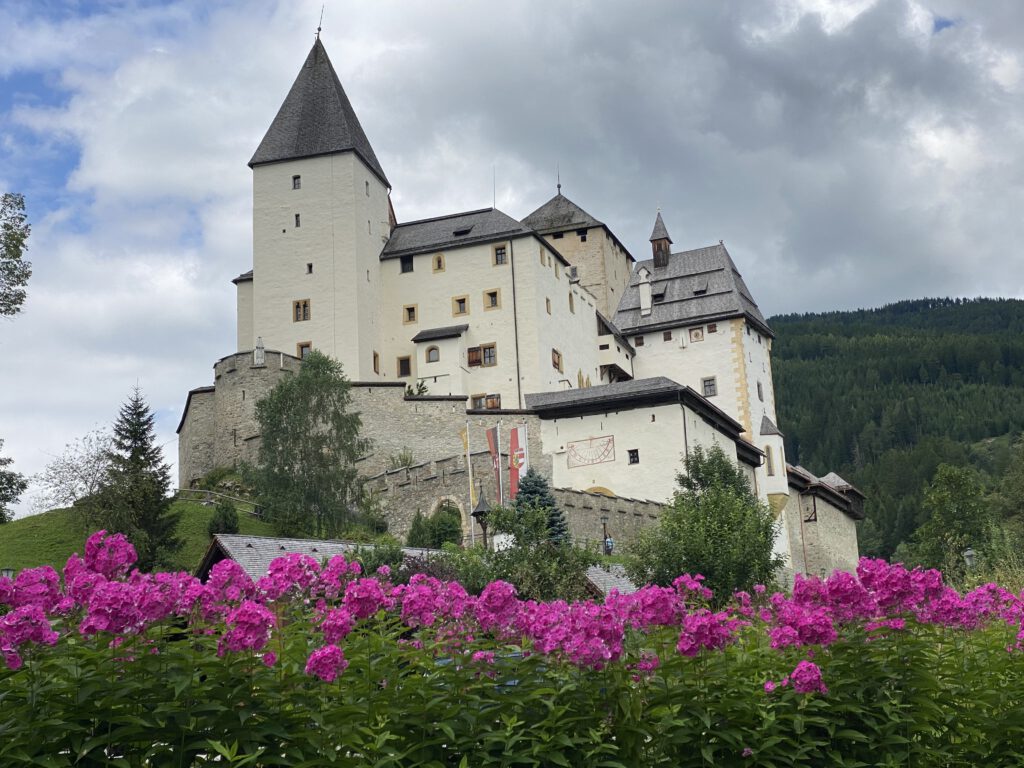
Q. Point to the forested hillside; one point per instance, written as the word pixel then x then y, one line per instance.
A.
pixel 883 396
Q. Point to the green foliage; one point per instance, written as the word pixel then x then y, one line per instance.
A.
pixel 419 531
pixel 12 485
pixel 385 550
pixel 14 270
pixel 534 491
pixel 306 478
pixel 715 526
pixel 884 396
pixel 442 527
pixel 224 520
pixel 404 458
pixel 418 391
pixel 134 498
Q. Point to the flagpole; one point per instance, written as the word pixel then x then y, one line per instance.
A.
pixel 469 466
pixel 501 486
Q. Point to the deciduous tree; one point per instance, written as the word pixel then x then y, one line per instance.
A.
pixel 14 270
pixel 12 485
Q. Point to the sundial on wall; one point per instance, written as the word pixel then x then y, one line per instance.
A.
pixel 594 450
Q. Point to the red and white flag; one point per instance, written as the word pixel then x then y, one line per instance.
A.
pixel 494 445
pixel 518 459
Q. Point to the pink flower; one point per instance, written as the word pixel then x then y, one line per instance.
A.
pixel 326 663
pixel 6 591
pixel 292 573
pixel 497 605
pixel 113 607
pixel 249 628
pixel 484 657
pixel 337 624
pixel 37 586
pixel 111 556
pixel 706 630
pixel 229 583
pixel 689 586
pixel 364 597
pixel 806 678
pixel 334 576
pixel 23 625
pixel 769 686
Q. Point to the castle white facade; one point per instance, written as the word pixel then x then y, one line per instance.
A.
pixel 622 366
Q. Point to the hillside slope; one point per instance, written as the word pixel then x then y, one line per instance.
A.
pixel 884 395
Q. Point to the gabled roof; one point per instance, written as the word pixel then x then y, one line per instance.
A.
pixel 447 332
pixel 660 232
pixel 768 426
pixel 474 227
pixel 316 118
pixel 697 286
pixel 847 499
pixel 245 277
pixel 560 214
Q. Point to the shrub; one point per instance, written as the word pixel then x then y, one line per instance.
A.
pixel 224 520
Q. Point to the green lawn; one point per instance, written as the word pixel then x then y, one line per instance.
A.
pixel 51 537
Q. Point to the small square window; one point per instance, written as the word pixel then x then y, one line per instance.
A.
pixel 298 221
pixel 376 363
pixel 492 299
pixel 760 392
pixel 709 387
pixel 303 348
pixel 438 262
pixel 300 310
pixel 490 354
pixel 712 327
pixel 406 264
pixel 769 457
pixel 492 402
pixel 296 182
pixel 547 305
pixel 556 360
pixel 557 236
pixel 638 341
pixel 666 336
pixel 477 402
pixel 500 255
pixel 474 356
pixel 309 268
pixel 367 188
pixel 582 234
pixel 433 354
pixel 409 314
pixel 572 304
pixel 634 455
pixel 404 367
pixel 460 305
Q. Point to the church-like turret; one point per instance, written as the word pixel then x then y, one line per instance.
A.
pixel 321 215
pixel 661 243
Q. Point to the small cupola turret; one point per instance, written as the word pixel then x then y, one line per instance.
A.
pixel 660 243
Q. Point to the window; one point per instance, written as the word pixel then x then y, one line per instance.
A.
pixel 582 233
pixel 490 354
pixel 492 402
pixel 500 255
pixel 709 387
pixel 376 363
pixel 477 402
pixel 460 305
pixel 547 305
pixel 558 271
pixel 634 455
pixel 666 336
pixel 409 314
pixel 712 327
pixel 433 354
pixel 658 297
pixel 406 262
pixel 296 182
pixel 404 367
pixel 557 236
pixel 556 360
pixel 760 392
pixel 769 458
pixel 696 334
pixel 303 348
pixel 309 268
pixel 438 262
pixel 572 305
pixel 367 188
pixel 543 261
pixel 638 341
pixel 300 310
pixel 474 356
pixel 492 299
pixel 298 221
pixel 369 231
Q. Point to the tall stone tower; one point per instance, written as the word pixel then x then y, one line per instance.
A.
pixel 321 215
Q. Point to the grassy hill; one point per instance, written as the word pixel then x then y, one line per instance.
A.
pixel 883 396
pixel 51 537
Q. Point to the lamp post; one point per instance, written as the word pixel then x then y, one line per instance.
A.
pixel 969 558
pixel 7 573
pixel 480 513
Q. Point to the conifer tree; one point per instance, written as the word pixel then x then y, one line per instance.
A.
pixel 534 491
pixel 135 497
pixel 419 532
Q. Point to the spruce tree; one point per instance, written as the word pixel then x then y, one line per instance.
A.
pixel 135 498
pixel 534 491
pixel 419 532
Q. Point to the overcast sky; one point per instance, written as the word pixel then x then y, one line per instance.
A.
pixel 848 153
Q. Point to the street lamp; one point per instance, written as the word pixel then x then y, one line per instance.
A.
pixel 480 513
pixel 969 558
pixel 7 573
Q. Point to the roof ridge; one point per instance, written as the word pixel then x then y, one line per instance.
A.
pixel 450 216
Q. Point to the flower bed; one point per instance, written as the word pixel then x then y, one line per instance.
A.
pixel 323 665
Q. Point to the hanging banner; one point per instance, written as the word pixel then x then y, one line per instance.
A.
pixel 464 434
pixel 518 459
pixel 494 445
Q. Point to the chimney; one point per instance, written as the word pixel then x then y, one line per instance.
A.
pixel 645 292
pixel 660 242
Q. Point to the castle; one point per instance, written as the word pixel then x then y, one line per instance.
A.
pixel 617 367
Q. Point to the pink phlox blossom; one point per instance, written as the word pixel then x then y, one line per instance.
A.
pixel 384 571
pixel 110 556
pixel 25 624
pixel 496 607
pixel 37 586
pixel 483 657
pixel 335 575
pixel 80 580
pixel 229 583
pixel 650 606
pixel 689 587
pixel 704 630
pixel 742 602
pixel 422 600
pixel 162 595
pixel 808 590
pixel 364 597
pixel 293 573
pixel 747 752
pixel 847 599
pixel 326 663
pixel 760 589
pixel 336 625
pixel 873 627
pixel 546 624
pixel 113 607
pixel 894 588
pixel 806 678
pixel 249 628
pixel 813 626
pixel 269 659
pixel 990 601
pixel 595 635
pixel 645 665
pixel 949 610
pixel 6 590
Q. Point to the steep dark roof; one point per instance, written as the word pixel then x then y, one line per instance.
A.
pixel 660 232
pixel 768 426
pixel 635 393
pixel 697 286
pixel 448 332
pixel 847 498
pixel 428 235
pixel 316 118
pixel 243 278
pixel 559 214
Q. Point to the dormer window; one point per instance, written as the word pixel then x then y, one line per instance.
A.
pixel 296 182
pixel 462 232
pixel 657 298
pixel 700 288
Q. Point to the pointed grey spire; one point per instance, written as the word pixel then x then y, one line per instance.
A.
pixel 660 232
pixel 316 118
